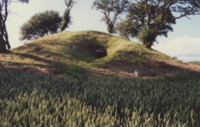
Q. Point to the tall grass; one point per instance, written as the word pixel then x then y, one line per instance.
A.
pixel 39 100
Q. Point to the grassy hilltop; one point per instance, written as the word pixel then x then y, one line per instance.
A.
pixel 53 54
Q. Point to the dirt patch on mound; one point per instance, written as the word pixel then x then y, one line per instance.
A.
pixel 148 70
pixel 31 70
pixel 193 65
pixel 152 70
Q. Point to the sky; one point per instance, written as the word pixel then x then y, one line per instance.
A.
pixel 183 42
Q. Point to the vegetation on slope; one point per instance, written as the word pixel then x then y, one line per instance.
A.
pixel 55 52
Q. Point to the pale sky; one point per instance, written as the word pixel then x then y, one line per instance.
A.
pixel 183 43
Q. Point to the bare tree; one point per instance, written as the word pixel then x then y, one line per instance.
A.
pixel 4 40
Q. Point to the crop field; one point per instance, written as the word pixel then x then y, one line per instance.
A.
pixel 75 101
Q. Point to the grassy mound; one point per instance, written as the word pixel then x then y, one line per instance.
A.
pixel 55 51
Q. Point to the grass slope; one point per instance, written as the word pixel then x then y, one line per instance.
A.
pixel 55 51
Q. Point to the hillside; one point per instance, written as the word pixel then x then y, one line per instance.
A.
pixel 53 55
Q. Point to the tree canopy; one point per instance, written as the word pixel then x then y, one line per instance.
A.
pixel 41 24
pixel 148 19
pixel 109 7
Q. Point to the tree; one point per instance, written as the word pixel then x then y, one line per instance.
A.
pixel 108 7
pixel 4 40
pixel 41 24
pixel 148 19
pixel 66 20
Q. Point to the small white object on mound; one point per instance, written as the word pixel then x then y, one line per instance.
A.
pixel 137 73
pixel 74 50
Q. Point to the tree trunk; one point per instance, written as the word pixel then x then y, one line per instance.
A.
pixel 148 45
pixel 111 28
pixel 2 44
pixel 4 35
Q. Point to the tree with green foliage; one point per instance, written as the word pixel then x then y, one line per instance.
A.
pixel 108 7
pixel 4 41
pixel 66 20
pixel 148 19
pixel 41 24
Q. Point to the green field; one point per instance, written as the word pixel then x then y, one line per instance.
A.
pixel 39 100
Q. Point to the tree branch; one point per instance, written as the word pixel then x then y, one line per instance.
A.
pixel 147 13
